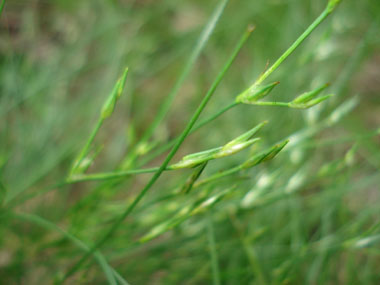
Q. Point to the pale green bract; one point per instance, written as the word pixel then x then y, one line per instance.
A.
pixel 230 148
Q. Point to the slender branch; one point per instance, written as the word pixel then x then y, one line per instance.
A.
pixel 280 104
pixel 87 146
pixel 109 175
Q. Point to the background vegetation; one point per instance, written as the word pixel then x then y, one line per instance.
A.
pixel 308 216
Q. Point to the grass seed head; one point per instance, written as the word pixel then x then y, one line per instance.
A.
pixel 244 137
pixel 265 155
pixel 308 99
pixel 228 149
pixel 255 93
pixel 331 6
pixel 109 105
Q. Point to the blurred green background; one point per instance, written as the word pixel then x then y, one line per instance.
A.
pixel 311 216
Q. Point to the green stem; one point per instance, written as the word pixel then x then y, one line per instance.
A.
pixel 218 176
pixel 109 175
pixel 250 252
pixel 87 146
pixel 157 174
pixel 280 104
pixel 296 44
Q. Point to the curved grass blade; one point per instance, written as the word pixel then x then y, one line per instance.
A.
pixel 108 270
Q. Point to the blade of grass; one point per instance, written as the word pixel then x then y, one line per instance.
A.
pixel 249 250
pixel 184 134
pixel 327 11
pixel 108 270
pixel 109 175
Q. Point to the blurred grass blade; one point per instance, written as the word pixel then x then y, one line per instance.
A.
pixel 108 270
pixel 3 193
pixel 185 212
pixel 265 155
pixel 342 110
pixel 186 188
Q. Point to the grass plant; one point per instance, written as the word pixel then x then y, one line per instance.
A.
pixel 281 189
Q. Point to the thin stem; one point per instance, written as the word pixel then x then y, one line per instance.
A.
pixel 280 104
pixel 218 176
pixel 250 252
pixel 109 175
pixel 87 146
pixel 213 117
pixel 354 61
pixel 293 47
pixel 184 134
